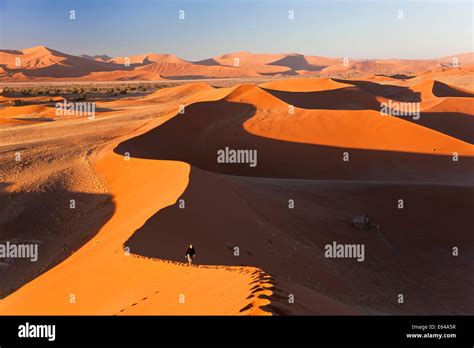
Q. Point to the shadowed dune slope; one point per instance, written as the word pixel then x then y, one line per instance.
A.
pixel 44 217
pixel 307 144
pixel 246 221
pixel 347 98
pixel 444 90
pixel 109 281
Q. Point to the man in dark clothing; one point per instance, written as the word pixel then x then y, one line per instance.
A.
pixel 190 253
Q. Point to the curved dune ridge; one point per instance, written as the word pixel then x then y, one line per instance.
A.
pixel 100 272
pixel 248 117
pixel 184 91
pixel 104 279
pixel 253 95
pixel 301 133
pixel 304 85
pixel 26 114
pixel 34 57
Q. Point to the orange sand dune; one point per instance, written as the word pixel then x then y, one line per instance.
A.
pixel 119 75
pixel 42 63
pixel 179 92
pixel 345 98
pixel 444 71
pixel 184 95
pixel 469 67
pixel 190 71
pixel 431 93
pixel 34 57
pixel 444 90
pixel 250 118
pixel 18 111
pixel 461 59
pixel 175 158
pixel 372 131
pixel 304 85
pixel 27 114
pixel 387 66
pixel 104 280
pixel 431 89
pixel 251 213
pixel 211 205
pixel 148 58
pixel 254 95
pixel 288 146
pixel 285 63
pixel 172 97
pixel 260 63
pixel 322 131
pixel 456 104
pixel 453 116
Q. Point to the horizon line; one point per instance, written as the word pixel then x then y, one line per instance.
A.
pixel 233 52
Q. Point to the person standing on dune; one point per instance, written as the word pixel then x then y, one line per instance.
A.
pixel 190 253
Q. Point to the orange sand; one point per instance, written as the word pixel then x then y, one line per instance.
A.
pixel 105 280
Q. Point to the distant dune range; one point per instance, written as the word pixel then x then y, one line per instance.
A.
pixel 41 63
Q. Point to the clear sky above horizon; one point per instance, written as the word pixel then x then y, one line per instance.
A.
pixel 354 28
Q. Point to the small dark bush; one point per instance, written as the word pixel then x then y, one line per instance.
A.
pixel 16 102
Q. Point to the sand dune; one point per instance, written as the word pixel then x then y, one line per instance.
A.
pixel 289 243
pixel 179 92
pixel 304 85
pixel 99 273
pixel 43 63
pixel 260 63
pixel 154 286
pixel 347 98
pixel 228 205
pixel 250 118
pixel 148 58
pixel 388 66
pixel 255 96
pixel 443 90
pixel 98 57
pixel 461 59
pixel 193 71
pixel 264 229
pixel 27 114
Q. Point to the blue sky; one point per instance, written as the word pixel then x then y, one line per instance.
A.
pixel 356 29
